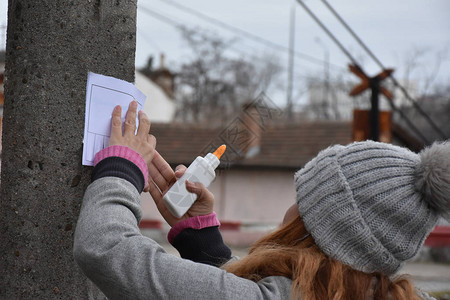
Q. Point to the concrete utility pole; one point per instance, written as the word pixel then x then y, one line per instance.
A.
pixel 291 65
pixel 51 45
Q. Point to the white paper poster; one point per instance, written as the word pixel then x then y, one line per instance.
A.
pixel 103 93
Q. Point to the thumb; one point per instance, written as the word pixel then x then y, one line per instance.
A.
pixel 195 187
pixel 205 199
pixel 203 194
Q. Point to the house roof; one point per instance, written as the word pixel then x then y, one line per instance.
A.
pixel 281 146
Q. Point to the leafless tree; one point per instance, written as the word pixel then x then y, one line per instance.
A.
pixel 419 70
pixel 213 84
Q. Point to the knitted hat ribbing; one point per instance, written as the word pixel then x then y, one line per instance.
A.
pixel 371 205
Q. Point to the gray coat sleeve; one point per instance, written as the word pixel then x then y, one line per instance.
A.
pixel 124 264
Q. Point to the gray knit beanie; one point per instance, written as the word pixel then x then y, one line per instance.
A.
pixel 371 205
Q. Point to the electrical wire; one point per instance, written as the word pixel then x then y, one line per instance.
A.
pixel 353 60
pixel 161 17
pixel 380 64
pixel 247 34
pixel 179 26
pixel 149 40
pixel 328 32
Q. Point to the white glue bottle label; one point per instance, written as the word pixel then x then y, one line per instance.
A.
pixel 177 199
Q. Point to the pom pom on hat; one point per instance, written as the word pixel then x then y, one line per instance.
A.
pixel 433 177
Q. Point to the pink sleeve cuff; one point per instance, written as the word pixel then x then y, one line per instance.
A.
pixel 197 222
pixel 124 152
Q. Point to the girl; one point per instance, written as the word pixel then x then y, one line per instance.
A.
pixel 361 211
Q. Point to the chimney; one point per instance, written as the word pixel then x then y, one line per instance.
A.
pixel 161 61
pixel 164 78
pixel 147 70
pixel 252 130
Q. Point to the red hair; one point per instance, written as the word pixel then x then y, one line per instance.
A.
pixel 314 275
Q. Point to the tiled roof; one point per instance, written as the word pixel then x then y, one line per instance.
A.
pixel 283 146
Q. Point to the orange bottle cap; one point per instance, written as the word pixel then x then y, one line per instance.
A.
pixel 218 153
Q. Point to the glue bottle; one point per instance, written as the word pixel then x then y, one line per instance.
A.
pixel 178 199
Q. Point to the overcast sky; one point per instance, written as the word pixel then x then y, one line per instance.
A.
pixel 391 29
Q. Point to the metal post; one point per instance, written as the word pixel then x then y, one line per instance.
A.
pixel 374 115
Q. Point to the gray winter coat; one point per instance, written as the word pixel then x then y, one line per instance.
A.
pixel 124 264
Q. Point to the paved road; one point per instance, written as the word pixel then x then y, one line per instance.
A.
pixel 431 277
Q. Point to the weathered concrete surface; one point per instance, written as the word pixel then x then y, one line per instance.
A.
pixel 51 45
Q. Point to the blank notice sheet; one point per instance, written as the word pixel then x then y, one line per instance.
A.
pixel 103 93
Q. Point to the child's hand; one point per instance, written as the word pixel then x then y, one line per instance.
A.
pixel 142 142
pixel 205 199
pixel 162 179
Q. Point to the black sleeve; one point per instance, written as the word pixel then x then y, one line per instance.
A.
pixel 119 167
pixel 203 246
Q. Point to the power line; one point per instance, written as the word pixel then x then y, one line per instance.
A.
pixel 391 103
pixel 161 17
pixel 380 64
pixel 179 26
pixel 254 57
pixel 246 34
pixel 149 40
pixel 328 32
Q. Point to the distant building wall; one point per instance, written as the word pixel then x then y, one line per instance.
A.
pixel 250 196
pixel 158 106
pixel 255 195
